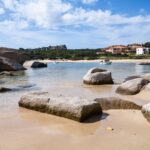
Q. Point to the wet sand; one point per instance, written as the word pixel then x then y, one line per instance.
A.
pixel 35 131
pixel 23 129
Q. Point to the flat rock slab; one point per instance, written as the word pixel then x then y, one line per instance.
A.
pixel 74 108
pixel 146 111
pixel 107 103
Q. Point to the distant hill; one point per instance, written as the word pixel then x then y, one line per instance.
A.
pixel 57 47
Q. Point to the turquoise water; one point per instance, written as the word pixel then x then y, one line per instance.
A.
pixel 72 73
pixel 66 79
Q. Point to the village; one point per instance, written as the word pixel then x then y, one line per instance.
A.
pixel 137 49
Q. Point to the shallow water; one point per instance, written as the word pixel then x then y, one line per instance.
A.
pixel 25 129
pixel 64 78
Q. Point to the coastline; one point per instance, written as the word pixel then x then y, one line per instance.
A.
pixel 27 63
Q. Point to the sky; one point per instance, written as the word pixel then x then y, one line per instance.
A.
pixel 76 23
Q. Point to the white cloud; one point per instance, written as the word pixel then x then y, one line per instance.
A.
pixel 57 21
pixel 2 11
pixel 89 1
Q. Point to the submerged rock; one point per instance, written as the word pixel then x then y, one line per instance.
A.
pixel 132 87
pixel 144 63
pixel 38 65
pixel 146 111
pixel 69 107
pixel 6 73
pixel 107 103
pixel 9 65
pixel 4 89
pixel 97 76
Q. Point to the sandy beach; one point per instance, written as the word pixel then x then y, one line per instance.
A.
pixel 23 129
pixel 28 63
pixel 35 131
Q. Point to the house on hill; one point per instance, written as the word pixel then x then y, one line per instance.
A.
pixel 116 49
pixel 142 50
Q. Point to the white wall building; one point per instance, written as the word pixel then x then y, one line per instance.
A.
pixel 142 50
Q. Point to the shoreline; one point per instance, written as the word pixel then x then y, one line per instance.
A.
pixel 91 61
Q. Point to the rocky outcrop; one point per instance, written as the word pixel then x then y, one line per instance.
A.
pixel 9 65
pixel 97 76
pixel 69 107
pixel 146 111
pixel 107 103
pixel 132 87
pixel 13 54
pixel 38 65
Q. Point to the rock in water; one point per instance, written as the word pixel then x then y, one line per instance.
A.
pixel 3 89
pixel 9 65
pixel 97 76
pixel 107 103
pixel 69 107
pixel 38 65
pixel 146 111
pixel 144 63
pixel 132 87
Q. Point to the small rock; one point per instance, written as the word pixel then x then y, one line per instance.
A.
pixel 109 129
pixel 38 65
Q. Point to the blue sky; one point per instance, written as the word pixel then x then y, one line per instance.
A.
pixel 76 23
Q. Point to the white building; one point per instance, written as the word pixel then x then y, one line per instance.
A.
pixel 142 50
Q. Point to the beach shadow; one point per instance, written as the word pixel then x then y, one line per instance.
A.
pixel 96 118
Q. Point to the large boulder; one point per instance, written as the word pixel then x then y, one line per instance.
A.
pixel 13 54
pixel 146 111
pixel 9 65
pixel 69 107
pixel 37 64
pixel 97 76
pixel 132 87
pixel 107 103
